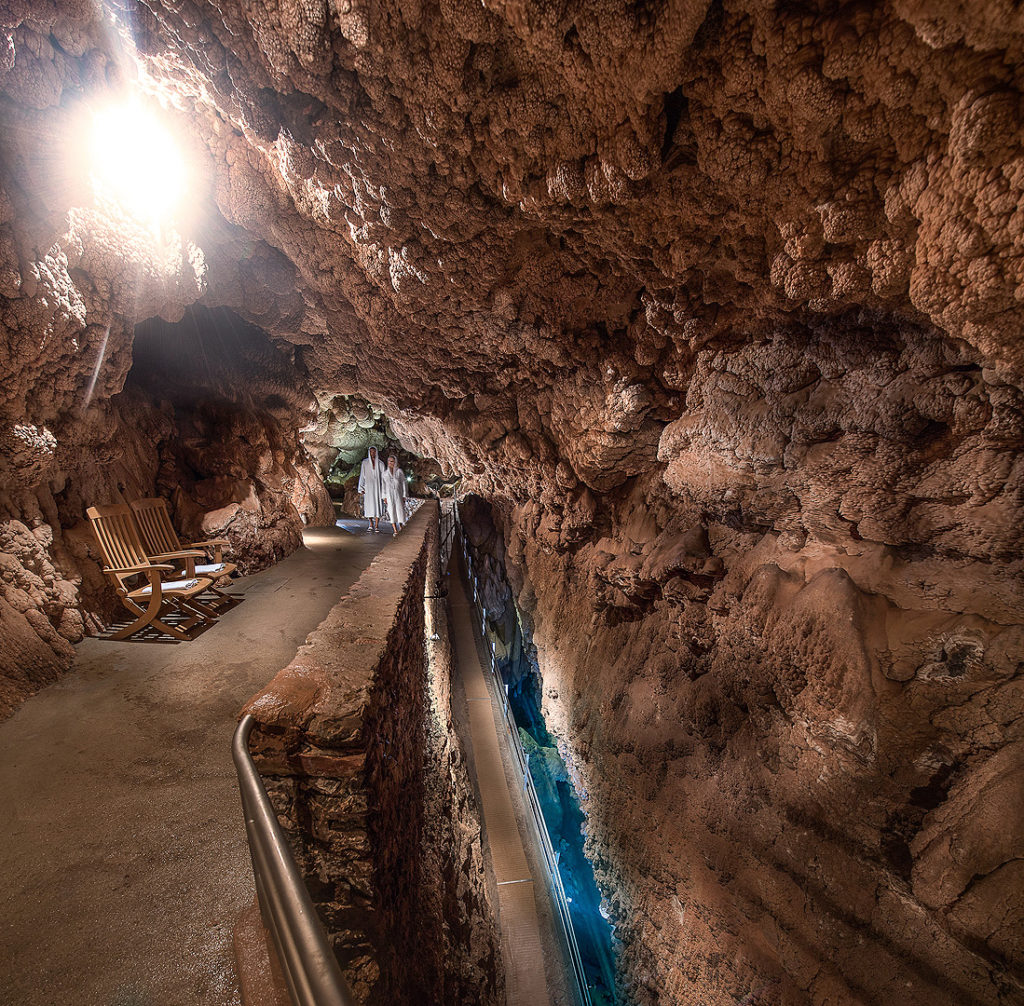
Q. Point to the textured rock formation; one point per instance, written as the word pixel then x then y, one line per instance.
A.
pixel 719 304
pixel 346 428
pixel 234 465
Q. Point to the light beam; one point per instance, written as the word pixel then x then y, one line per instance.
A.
pixel 135 162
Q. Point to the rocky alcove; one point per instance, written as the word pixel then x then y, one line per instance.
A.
pixel 716 304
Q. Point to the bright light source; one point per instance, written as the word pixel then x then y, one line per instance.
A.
pixel 135 162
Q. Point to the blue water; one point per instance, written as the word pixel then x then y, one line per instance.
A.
pixel 564 820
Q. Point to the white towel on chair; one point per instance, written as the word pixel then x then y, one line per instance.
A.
pixel 172 585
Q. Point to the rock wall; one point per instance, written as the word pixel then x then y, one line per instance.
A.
pixel 718 303
pixel 346 428
pixel 235 466
pixel 356 742
pixel 776 715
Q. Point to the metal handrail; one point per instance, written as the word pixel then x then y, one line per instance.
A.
pixel 540 826
pixel 309 965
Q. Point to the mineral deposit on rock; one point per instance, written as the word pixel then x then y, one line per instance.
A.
pixel 717 304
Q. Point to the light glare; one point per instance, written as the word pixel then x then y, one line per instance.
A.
pixel 135 162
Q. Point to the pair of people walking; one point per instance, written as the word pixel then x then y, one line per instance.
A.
pixel 382 484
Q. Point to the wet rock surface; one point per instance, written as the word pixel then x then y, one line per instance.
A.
pixel 718 304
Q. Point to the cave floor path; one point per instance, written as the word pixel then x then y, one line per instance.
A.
pixel 122 845
pixel 534 968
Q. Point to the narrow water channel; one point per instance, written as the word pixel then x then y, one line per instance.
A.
pixel 560 806
pixel 564 820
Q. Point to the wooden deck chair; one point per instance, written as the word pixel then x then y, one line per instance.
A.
pixel 126 560
pixel 161 541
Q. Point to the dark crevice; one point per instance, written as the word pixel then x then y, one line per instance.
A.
pixel 675 106
pixel 560 803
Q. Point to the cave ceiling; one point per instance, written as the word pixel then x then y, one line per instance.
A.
pixel 530 220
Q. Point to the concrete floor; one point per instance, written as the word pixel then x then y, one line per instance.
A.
pixel 122 849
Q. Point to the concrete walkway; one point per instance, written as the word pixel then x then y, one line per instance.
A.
pixel 122 849
pixel 528 948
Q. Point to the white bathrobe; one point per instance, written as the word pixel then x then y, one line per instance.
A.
pixel 394 493
pixel 371 486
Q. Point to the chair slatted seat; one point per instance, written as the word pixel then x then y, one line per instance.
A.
pixel 127 561
pixel 161 541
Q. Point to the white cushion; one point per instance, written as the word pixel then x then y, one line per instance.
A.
pixel 210 567
pixel 171 585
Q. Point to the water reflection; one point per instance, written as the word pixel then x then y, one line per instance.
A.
pixel 564 820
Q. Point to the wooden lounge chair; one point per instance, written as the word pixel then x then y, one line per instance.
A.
pixel 161 541
pixel 126 560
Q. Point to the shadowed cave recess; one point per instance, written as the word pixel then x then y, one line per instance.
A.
pixel 716 305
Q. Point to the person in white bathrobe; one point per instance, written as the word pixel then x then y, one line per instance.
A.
pixel 394 493
pixel 371 474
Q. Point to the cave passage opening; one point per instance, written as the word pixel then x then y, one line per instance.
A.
pixel 347 427
pixel 239 424
pixel 209 418
pixel 559 799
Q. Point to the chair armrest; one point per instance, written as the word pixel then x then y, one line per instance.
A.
pixel 187 557
pixel 137 569
pixel 214 546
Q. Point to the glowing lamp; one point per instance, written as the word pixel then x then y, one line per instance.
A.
pixel 135 162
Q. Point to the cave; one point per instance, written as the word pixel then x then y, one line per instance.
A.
pixel 699 322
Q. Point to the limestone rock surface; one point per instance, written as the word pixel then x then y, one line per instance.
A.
pixel 717 303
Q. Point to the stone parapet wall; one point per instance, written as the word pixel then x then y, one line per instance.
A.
pixel 355 745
